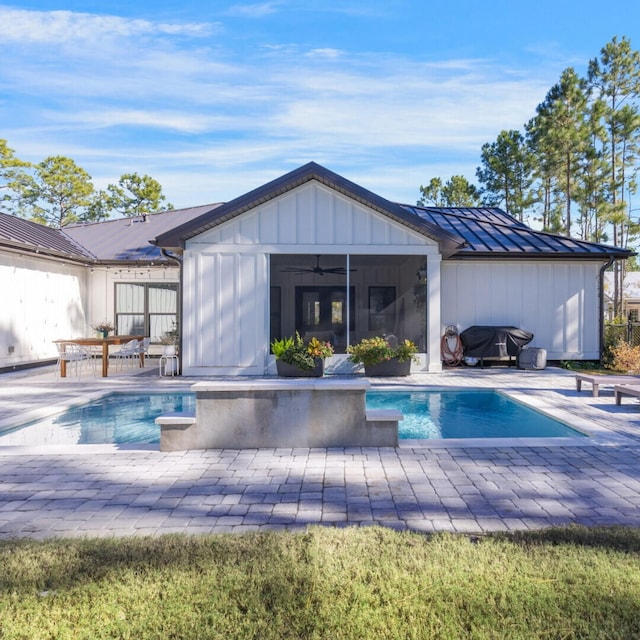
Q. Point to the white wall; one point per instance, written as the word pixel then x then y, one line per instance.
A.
pixel 226 280
pixel 557 302
pixel 42 300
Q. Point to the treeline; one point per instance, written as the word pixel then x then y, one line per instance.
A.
pixel 58 192
pixel 574 165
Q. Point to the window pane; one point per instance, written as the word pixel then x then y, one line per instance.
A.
pixel 159 325
pixel 130 325
pixel 129 298
pixel 163 298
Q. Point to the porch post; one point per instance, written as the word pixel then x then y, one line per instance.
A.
pixel 434 325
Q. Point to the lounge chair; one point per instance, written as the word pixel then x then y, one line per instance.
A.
pixel 626 390
pixel 596 381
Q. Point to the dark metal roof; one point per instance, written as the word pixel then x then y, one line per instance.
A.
pixel 32 237
pixel 128 239
pixel 175 238
pixel 492 232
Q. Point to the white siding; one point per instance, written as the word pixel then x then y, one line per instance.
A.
pixel 44 300
pixel 226 280
pixel 557 302
pixel 224 327
pixel 312 215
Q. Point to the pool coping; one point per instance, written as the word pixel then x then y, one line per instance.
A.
pixel 538 399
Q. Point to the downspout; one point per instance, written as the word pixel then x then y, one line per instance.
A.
pixel 601 301
pixel 177 260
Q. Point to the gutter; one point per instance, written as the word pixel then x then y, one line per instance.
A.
pixel 601 303
pixel 177 260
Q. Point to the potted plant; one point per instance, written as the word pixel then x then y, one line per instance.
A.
pixel 103 328
pixel 383 357
pixel 295 357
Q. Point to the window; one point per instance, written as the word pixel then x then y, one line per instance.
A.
pixel 146 309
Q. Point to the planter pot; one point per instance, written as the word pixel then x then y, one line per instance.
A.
pixel 169 350
pixel 391 367
pixel 104 334
pixel 290 371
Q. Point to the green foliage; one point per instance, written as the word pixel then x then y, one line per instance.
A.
pixel 506 173
pixel 456 192
pixel 298 353
pixel 375 350
pixel 57 192
pixel 10 169
pixel 352 583
pixel 135 195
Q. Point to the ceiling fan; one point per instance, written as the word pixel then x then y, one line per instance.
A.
pixel 318 270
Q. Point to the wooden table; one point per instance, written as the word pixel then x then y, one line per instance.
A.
pixel 105 342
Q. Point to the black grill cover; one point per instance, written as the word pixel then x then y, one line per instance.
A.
pixel 488 342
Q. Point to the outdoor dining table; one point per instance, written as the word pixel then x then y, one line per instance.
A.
pixel 105 343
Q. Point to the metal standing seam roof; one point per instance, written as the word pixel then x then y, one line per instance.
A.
pixel 129 239
pixel 175 238
pixel 32 237
pixel 492 232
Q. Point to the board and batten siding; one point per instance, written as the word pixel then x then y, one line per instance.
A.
pixel 226 270
pixel 557 302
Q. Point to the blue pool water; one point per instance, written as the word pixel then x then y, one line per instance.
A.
pixel 129 418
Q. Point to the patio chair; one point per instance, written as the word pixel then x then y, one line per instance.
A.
pixel 127 353
pixel 71 352
pixel 143 349
pixel 597 380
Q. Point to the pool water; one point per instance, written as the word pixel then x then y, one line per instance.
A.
pixel 130 418
pixel 467 414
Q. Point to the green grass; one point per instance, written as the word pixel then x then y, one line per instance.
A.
pixel 325 583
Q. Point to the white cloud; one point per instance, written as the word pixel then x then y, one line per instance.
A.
pixel 62 26
pixel 259 10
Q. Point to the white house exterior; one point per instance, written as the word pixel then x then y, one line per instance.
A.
pixel 309 252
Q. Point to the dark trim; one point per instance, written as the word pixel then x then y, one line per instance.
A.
pixel 175 238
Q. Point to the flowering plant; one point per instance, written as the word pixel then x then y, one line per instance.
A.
pixel 375 350
pixel 103 326
pixel 301 354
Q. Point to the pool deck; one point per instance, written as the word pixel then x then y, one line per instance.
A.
pixel 470 486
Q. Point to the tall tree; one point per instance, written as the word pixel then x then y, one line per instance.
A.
pixel 614 79
pixel 57 194
pixel 506 173
pixel 135 195
pixel 456 192
pixel 559 136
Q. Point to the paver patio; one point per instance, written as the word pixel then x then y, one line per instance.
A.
pixel 89 490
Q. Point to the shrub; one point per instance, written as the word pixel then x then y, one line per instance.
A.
pixel 300 354
pixel 625 358
pixel 375 350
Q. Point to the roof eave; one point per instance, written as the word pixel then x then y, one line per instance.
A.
pixel 175 239
pixel 38 250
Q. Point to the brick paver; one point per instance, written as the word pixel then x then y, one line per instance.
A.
pixel 103 491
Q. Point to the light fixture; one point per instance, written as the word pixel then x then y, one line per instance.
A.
pixel 421 276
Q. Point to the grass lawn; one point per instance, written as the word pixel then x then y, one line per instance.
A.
pixel 325 583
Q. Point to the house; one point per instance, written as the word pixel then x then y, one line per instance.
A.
pixel 630 296
pixel 310 252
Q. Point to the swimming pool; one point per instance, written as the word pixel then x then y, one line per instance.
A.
pixel 428 414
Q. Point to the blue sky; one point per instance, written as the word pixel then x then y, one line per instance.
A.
pixel 216 98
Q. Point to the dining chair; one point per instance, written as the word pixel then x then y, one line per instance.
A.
pixel 143 348
pixel 126 353
pixel 72 352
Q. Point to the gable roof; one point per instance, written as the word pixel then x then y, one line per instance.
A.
pixel 490 232
pixel 176 238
